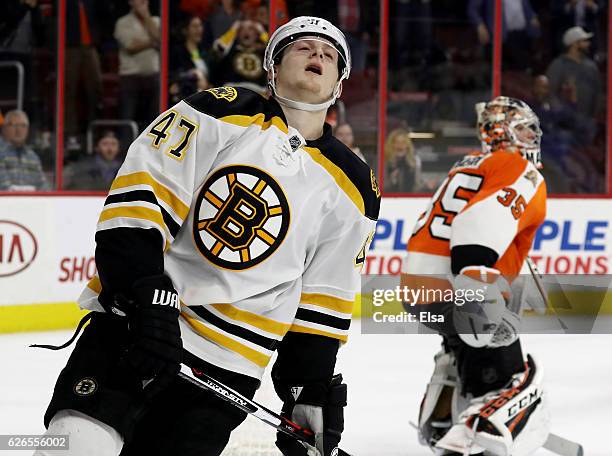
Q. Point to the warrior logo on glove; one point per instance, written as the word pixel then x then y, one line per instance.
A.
pixel 242 217
pixel 166 298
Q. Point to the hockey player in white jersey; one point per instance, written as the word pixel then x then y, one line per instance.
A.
pixel 484 397
pixel 237 226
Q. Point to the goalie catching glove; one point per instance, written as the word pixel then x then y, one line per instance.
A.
pixel 484 316
pixel 155 348
pixel 318 407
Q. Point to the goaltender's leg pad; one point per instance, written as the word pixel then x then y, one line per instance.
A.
pixel 511 421
pixel 94 382
pixel 436 407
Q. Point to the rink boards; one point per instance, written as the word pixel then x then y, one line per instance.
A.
pixel 47 250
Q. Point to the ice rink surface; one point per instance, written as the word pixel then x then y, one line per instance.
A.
pixel 386 375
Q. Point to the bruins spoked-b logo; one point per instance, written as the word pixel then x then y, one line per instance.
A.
pixel 86 387
pixel 241 217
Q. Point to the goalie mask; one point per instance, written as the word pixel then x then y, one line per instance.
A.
pixel 312 28
pixel 506 122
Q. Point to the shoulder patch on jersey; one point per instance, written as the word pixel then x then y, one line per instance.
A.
pixel 532 176
pixel 238 106
pixel 351 174
pixel 224 93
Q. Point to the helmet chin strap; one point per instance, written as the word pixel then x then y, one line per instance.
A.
pixel 310 107
pixel 304 106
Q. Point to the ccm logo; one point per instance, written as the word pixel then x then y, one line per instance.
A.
pixel 18 248
pixel 523 402
pixel 166 298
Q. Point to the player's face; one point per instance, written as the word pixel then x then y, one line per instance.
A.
pixel 308 71
pixel 108 148
pixel 525 134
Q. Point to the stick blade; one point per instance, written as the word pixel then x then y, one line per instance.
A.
pixel 563 447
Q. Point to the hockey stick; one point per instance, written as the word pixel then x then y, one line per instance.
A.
pixel 554 443
pixel 537 277
pixel 563 447
pixel 260 412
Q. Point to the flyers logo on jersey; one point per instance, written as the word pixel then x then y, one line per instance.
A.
pixel 532 176
pixel 241 217
pixel 227 93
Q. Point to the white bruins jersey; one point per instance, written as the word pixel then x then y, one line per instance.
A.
pixel 263 232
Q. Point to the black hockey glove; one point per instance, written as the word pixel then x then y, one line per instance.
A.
pixel 155 349
pixel 318 407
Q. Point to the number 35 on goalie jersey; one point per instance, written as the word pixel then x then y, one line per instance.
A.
pixel 262 231
pixel 495 200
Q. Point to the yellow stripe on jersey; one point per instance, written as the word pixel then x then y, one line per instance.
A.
pixel 258 321
pixel 258 119
pixel 162 192
pixel 342 180
pixel 95 285
pixel 318 332
pixel 252 355
pixel 329 302
pixel 136 212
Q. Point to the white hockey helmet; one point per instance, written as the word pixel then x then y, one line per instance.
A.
pixel 313 28
pixel 510 122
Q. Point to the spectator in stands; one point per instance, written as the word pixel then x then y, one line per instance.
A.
pixel 20 167
pixel 571 13
pixel 222 19
pixel 559 120
pixel 96 172
pixel 82 67
pixel 188 61
pixel 239 53
pixel 402 165
pixel 344 132
pixel 573 76
pixel 138 34
pixel 520 25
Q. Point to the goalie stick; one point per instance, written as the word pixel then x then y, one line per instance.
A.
pixel 537 277
pixel 260 412
pixel 563 447
pixel 554 443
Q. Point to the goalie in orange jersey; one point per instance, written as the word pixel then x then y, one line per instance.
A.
pixel 473 239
